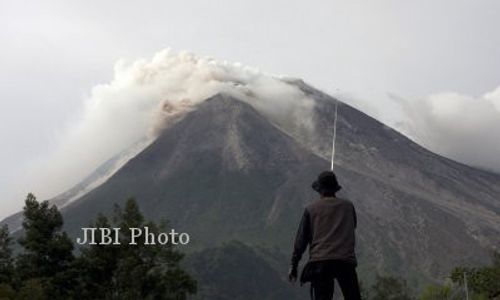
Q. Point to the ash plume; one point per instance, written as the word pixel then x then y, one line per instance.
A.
pixel 146 96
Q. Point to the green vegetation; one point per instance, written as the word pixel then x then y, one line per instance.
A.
pixel 388 288
pixel 484 281
pixel 46 262
pixel 483 284
pixel 437 292
pixel 47 268
pixel 6 262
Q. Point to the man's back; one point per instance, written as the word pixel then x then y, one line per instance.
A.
pixel 333 222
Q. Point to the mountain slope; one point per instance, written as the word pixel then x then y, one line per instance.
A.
pixel 225 172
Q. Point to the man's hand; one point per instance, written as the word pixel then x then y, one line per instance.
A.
pixel 292 274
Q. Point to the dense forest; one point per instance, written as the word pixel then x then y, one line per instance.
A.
pixel 47 267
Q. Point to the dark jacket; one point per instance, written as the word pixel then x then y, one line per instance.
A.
pixel 327 226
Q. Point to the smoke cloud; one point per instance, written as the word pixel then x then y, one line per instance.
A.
pixel 146 96
pixel 458 126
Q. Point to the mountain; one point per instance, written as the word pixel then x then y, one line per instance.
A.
pixel 226 172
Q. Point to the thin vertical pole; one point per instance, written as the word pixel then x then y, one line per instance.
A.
pixel 334 132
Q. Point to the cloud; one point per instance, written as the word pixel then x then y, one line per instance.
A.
pixel 462 127
pixel 146 96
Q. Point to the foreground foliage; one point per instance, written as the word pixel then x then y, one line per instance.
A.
pixel 47 268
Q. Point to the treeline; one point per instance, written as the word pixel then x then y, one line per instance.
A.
pixel 482 284
pixel 47 267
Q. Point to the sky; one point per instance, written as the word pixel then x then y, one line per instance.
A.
pixel 429 68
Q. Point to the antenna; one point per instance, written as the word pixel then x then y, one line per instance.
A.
pixel 334 132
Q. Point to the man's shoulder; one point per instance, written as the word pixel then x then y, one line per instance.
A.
pixel 345 201
pixel 327 201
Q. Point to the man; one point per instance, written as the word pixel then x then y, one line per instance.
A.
pixel 328 227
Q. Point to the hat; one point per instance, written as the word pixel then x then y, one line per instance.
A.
pixel 326 183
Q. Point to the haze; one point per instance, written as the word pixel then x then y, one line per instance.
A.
pixel 429 68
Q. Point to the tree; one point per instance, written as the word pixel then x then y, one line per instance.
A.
pixel 6 265
pixel 390 288
pixel 33 289
pixel 47 255
pixel 481 280
pixel 96 265
pixel 7 292
pixel 440 292
pixel 132 271
pixel 6 262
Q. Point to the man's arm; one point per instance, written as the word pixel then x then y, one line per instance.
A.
pixel 302 239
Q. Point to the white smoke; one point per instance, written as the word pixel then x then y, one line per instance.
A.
pixel 458 126
pixel 146 96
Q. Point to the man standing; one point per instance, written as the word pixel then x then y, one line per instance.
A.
pixel 328 227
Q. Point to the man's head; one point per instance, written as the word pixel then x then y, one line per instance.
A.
pixel 326 184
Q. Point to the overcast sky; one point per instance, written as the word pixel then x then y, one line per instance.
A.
pixel 396 60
